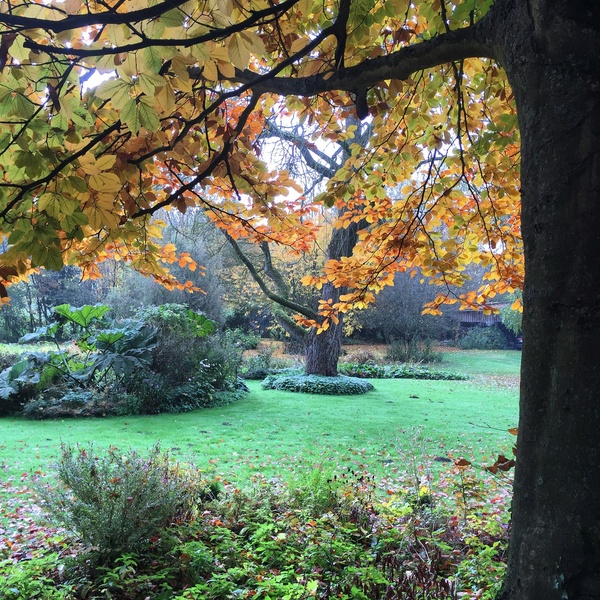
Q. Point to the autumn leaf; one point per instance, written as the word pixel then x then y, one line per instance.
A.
pixel 105 182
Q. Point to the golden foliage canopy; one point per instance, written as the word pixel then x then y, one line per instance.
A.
pixel 112 110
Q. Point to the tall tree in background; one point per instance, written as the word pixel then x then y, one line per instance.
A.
pixel 84 168
pixel 298 150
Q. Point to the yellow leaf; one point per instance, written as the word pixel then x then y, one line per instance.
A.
pixel 238 53
pixel 165 96
pixel 219 53
pixel 88 164
pixel 106 162
pixel 101 214
pixel 73 6
pixel 298 44
pixel 105 182
pixel 226 68
pixel 210 71
pixel 253 42
pixel 201 53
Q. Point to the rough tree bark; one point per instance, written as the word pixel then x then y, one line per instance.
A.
pixel 323 350
pixel 551 54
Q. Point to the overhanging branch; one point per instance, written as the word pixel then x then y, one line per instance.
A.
pixel 214 34
pixel 285 302
pixel 108 17
pixel 469 42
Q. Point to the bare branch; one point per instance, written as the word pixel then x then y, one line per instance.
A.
pixel 307 152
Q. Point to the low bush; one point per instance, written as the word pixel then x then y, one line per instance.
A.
pixel 154 393
pixel 61 402
pixel 117 502
pixel 398 372
pixel 483 338
pixel 413 351
pixel 163 360
pixel 7 359
pixel 329 533
pixel 317 384
pixel 181 340
pixel 151 393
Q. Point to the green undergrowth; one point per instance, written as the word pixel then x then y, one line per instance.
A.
pixel 317 384
pixel 351 497
pixel 325 534
pixel 407 371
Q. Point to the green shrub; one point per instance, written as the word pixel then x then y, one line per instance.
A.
pixel 242 339
pixel 398 372
pixel 181 340
pixel 413 350
pixel 116 502
pixel 417 372
pixel 317 384
pixel 153 391
pixel 32 578
pixel 68 403
pixel 483 338
pixel 221 361
pixel 362 370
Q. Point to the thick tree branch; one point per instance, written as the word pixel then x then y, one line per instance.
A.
pixel 271 272
pixel 469 42
pixel 302 310
pixel 341 33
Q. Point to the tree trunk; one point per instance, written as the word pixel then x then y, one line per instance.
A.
pixel 551 57
pixel 323 350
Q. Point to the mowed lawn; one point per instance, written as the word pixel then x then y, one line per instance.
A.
pixel 276 434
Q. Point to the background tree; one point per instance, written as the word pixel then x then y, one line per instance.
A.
pixel 397 314
pixel 84 170
pixel 297 149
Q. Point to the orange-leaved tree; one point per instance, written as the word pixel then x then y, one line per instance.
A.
pixel 480 110
pixel 297 147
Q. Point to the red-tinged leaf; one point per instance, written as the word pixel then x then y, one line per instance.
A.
pixel 462 463
pixel 513 430
pixel 507 465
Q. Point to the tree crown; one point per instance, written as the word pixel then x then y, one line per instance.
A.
pixel 184 92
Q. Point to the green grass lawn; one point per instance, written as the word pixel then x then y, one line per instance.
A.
pixel 273 433
pixel 484 362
